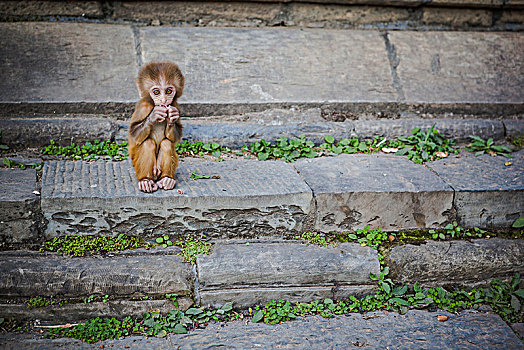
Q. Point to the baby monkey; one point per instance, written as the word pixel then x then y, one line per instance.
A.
pixel 155 127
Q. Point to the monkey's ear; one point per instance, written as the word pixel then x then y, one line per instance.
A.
pixel 137 84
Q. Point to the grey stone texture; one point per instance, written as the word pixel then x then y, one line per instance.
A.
pixel 31 132
pixel 259 272
pixel 77 312
pixel 458 129
pixel 238 66
pixel 352 191
pixel 378 330
pixel 514 128
pixel 451 67
pixel 249 198
pixel 487 192
pixel 67 62
pixel 19 206
pixel 456 263
pixel 32 8
pixel 134 273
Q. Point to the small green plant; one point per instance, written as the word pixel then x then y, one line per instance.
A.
pixel 479 146
pixel 368 237
pixel 164 241
pixel 98 329
pixel 517 141
pixel 274 312
pixel 40 301
pixel 348 146
pixel 82 245
pixel 196 176
pixel 284 149
pixel 454 231
pixel 318 239
pixel 10 163
pixel 192 247
pixel 421 147
pixel 507 299
pixel 519 223
pixel 198 149
pixel 89 151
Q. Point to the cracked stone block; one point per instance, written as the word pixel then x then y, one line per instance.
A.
pixel 460 67
pixel 19 206
pixel 247 198
pixel 260 272
pixel 488 193
pixel 457 263
pixel 138 272
pixel 383 191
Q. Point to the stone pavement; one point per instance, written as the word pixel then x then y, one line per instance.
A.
pixel 378 330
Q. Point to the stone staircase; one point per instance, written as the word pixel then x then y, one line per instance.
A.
pixel 74 82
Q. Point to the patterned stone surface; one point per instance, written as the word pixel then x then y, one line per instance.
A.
pixel 387 192
pixel 249 198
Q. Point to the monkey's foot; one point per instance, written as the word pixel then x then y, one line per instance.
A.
pixel 156 171
pixel 167 183
pixel 147 185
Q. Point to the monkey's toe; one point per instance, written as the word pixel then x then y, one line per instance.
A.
pixel 166 183
pixel 147 186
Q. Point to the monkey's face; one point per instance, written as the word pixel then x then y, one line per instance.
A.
pixel 162 93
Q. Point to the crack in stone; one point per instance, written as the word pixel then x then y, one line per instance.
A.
pixel 394 61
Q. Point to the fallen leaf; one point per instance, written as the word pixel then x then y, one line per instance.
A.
pixel 442 318
pixel 508 163
pixel 491 153
pixel 441 154
pixel 389 150
pixel 391 238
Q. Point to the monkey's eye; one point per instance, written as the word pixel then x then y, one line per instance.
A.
pixel 156 92
pixel 169 91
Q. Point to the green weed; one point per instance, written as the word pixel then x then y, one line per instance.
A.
pixel 97 150
pixel 10 163
pixel 192 247
pixel 198 149
pixel 422 146
pixel 99 329
pixel 479 146
pixel 82 245
pixel 40 301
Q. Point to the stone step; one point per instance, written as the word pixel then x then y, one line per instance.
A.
pixel 248 273
pixel 251 199
pixel 245 129
pixel 468 329
pixel 236 70
pixel 259 272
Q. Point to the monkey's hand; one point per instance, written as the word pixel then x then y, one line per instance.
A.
pixel 158 114
pixel 173 115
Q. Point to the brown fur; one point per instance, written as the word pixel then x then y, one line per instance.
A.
pixel 145 147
